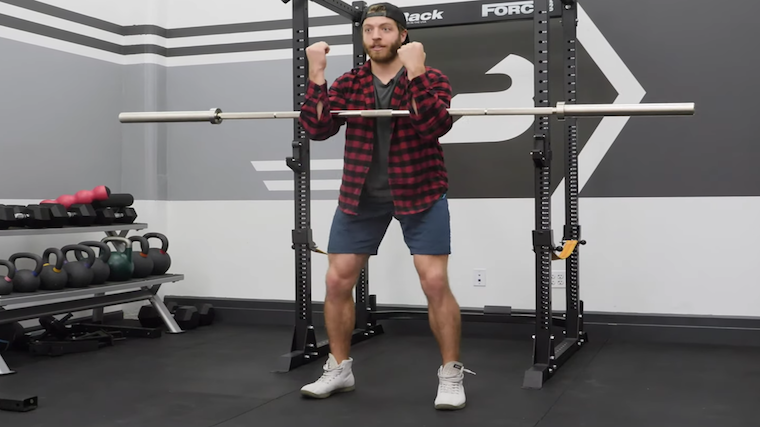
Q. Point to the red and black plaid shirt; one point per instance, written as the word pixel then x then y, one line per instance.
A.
pixel 416 171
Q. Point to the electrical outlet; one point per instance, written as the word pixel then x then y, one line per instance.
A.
pixel 558 279
pixel 479 279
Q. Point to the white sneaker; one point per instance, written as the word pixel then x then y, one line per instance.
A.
pixel 451 387
pixel 336 378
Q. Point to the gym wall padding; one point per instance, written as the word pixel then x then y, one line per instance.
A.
pixel 660 199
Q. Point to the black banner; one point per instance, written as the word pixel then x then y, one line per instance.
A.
pixel 474 12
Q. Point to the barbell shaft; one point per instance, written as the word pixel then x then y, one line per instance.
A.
pixel 562 110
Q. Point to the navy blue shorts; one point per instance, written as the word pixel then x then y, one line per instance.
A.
pixel 425 233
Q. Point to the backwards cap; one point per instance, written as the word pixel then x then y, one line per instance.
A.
pixel 391 11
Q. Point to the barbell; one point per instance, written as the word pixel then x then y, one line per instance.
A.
pixel 561 110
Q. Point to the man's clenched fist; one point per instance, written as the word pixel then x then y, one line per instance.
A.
pixel 413 55
pixel 317 56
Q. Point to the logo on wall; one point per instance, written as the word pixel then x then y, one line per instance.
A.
pixel 511 8
pixel 433 15
pixel 483 129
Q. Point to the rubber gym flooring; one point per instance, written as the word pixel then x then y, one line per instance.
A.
pixel 222 375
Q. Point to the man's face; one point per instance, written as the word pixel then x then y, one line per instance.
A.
pixel 382 38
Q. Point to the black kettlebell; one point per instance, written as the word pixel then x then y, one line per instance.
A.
pixel 161 259
pixel 26 280
pixel 6 283
pixel 142 262
pixel 80 273
pixel 120 261
pixel 53 277
pixel 100 268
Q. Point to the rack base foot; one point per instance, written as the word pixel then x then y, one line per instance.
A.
pixel 18 405
pixel 538 374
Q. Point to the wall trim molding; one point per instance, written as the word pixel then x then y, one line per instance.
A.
pixel 601 326
pixel 123 45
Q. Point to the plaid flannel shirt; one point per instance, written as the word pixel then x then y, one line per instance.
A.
pixel 416 170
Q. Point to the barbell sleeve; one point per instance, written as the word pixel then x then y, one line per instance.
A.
pixel 601 110
pixel 211 116
pixel 562 110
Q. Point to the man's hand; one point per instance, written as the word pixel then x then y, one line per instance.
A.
pixel 317 56
pixel 412 55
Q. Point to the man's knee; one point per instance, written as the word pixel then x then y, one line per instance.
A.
pixel 342 274
pixel 433 276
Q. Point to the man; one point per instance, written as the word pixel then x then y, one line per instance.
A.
pixel 394 168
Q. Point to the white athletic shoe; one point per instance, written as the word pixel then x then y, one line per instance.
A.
pixel 336 378
pixel 451 386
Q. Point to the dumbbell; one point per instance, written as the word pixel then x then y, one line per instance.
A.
pixel 109 215
pixel 206 312
pixel 187 316
pixel 77 214
pixel 84 197
pixel 115 200
pixel 46 215
pixel 115 209
pixel 32 216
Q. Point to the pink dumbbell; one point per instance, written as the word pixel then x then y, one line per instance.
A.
pixel 66 200
pixel 100 192
pixel 86 197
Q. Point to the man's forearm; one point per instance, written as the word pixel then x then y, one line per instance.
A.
pixel 430 98
pixel 412 74
pixel 318 77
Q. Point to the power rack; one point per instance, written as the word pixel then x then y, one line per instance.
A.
pixel 549 352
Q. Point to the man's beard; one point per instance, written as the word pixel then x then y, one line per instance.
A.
pixel 385 56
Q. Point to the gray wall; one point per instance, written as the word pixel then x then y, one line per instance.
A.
pixel 144 147
pixel 199 151
pixel 57 115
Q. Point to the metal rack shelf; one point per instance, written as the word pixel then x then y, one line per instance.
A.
pixel 48 303
pixel 72 229
pixel 40 296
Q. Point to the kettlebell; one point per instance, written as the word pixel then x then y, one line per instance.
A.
pixel 142 262
pixel 100 268
pixel 53 277
pixel 6 283
pixel 80 272
pixel 120 261
pixel 161 259
pixel 26 280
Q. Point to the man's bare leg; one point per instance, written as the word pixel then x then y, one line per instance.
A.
pixel 443 310
pixel 445 321
pixel 342 274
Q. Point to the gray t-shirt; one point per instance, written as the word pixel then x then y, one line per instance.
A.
pixel 376 186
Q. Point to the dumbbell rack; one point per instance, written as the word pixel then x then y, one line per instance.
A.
pixel 47 303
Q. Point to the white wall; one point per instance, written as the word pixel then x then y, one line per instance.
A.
pixel 677 256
